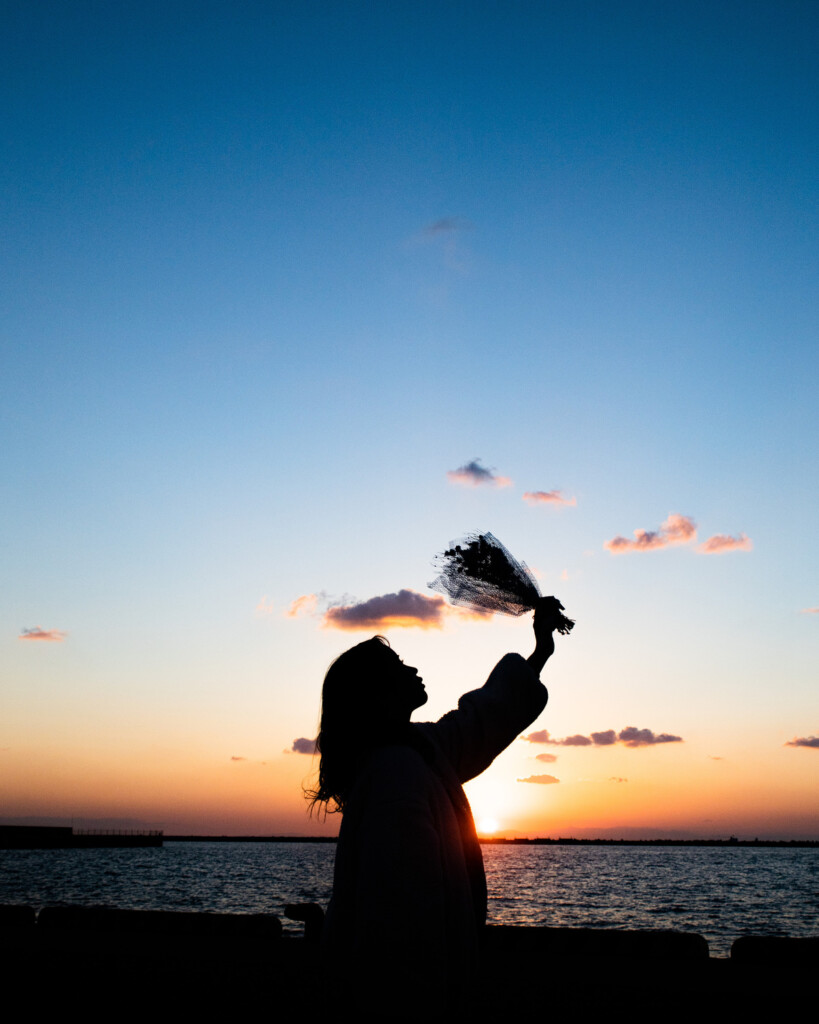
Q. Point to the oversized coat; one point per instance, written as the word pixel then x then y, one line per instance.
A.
pixel 409 891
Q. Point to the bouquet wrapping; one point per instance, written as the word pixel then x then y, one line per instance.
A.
pixel 478 572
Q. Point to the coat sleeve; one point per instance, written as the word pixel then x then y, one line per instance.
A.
pixel 487 720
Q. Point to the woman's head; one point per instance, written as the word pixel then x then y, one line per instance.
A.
pixel 370 681
pixel 366 701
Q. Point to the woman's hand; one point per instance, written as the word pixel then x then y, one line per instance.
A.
pixel 547 619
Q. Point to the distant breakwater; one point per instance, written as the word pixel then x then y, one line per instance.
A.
pixel 562 841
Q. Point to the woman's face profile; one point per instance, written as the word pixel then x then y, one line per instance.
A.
pixel 403 684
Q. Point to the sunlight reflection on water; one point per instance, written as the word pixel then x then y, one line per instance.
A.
pixel 720 893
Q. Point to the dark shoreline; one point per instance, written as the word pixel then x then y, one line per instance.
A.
pixel 756 843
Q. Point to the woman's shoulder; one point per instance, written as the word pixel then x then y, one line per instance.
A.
pixel 512 669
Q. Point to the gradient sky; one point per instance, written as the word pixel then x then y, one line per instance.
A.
pixel 292 295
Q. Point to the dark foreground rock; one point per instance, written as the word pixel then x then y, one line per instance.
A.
pixel 130 963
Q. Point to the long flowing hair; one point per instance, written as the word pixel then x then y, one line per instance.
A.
pixel 352 723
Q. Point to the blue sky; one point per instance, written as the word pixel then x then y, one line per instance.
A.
pixel 270 271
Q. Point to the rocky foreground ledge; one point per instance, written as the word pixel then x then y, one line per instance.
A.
pixel 132 962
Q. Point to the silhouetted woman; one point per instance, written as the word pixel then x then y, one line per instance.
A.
pixel 409 890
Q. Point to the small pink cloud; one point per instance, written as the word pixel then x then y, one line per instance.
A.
pixel 634 737
pixel 303 745
pixel 548 498
pixel 304 605
pixel 810 611
pixel 541 780
pixel 542 736
pixel 546 758
pixel 676 529
pixel 722 542
pixel 575 741
pixel 52 636
pixel 473 474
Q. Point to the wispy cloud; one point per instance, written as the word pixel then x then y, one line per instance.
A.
pixel 473 474
pixel 470 614
pixel 617 778
pixel 405 609
pixel 52 636
pixel 304 605
pixel 810 611
pixel 722 542
pixel 546 758
pixel 548 498
pixel 447 236
pixel 447 225
pixel 234 758
pixel 541 780
pixel 630 737
pixel 677 529
pixel 303 746
pixel 265 606
pixel 804 741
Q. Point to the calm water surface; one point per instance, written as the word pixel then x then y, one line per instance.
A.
pixel 720 893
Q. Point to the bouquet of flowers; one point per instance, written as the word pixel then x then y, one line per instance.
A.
pixel 480 573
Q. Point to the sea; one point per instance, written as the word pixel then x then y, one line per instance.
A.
pixel 718 892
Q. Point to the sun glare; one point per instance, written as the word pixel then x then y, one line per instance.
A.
pixel 486 826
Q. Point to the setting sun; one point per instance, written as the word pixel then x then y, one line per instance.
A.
pixel 487 826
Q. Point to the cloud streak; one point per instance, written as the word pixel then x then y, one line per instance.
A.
pixel 677 529
pixel 304 605
pixel 634 737
pixel 473 474
pixel 631 736
pixel 548 498
pixel 804 741
pixel 446 226
pixel 404 609
pixel 722 542
pixel 809 611
pixel 541 780
pixel 52 636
